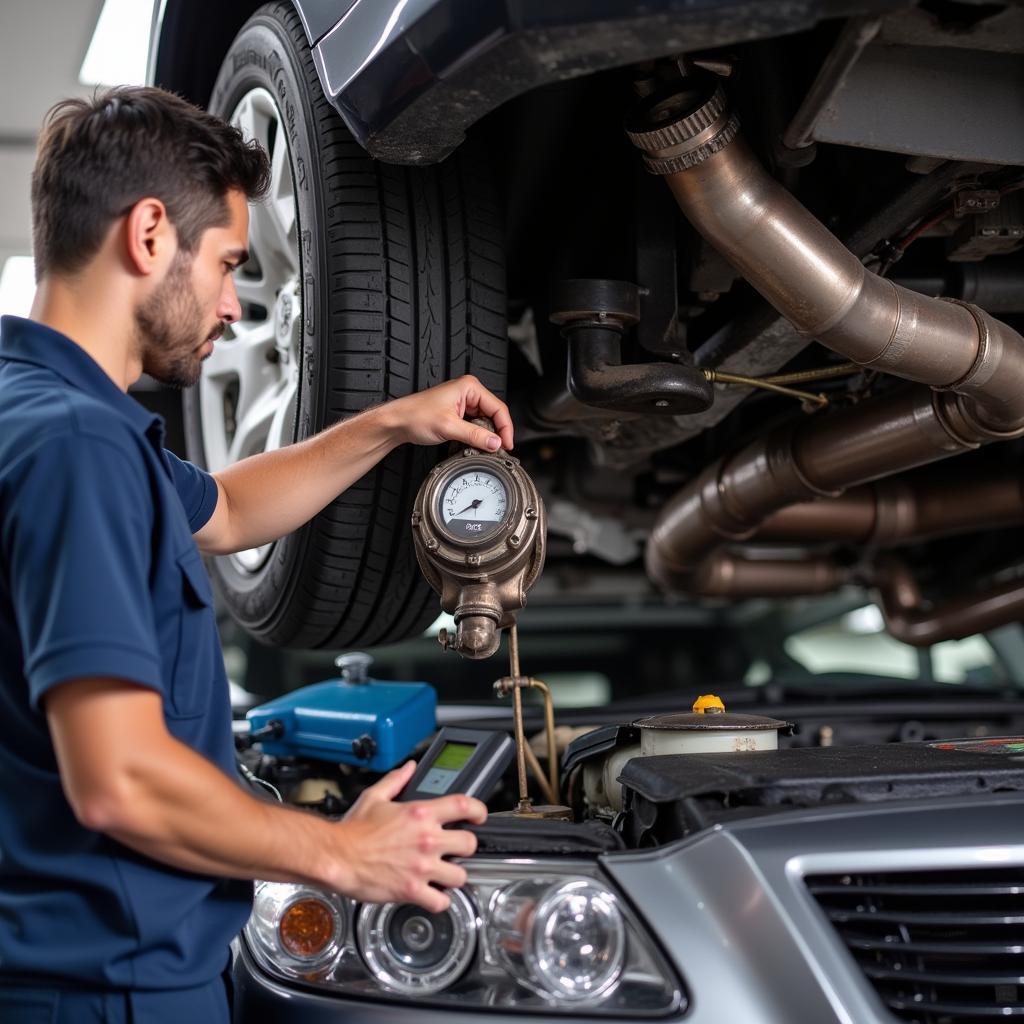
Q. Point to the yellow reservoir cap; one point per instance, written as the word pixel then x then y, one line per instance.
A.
pixel 708 702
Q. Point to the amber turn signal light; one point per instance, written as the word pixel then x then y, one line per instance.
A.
pixel 307 928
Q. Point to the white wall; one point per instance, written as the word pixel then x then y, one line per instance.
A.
pixel 42 46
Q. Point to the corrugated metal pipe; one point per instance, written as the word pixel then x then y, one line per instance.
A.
pixel 972 365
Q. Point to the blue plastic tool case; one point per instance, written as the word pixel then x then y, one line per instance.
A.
pixel 372 724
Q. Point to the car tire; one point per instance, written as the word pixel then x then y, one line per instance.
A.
pixel 376 282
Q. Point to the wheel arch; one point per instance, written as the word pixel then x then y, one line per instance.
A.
pixel 191 37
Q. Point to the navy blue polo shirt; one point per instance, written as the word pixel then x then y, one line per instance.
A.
pixel 99 576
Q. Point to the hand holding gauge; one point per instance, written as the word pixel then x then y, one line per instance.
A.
pixel 479 532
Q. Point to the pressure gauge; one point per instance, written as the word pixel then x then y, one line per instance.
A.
pixel 479 532
pixel 473 504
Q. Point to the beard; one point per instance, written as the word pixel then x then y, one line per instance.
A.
pixel 170 329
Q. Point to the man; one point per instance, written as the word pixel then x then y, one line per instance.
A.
pixel 124 837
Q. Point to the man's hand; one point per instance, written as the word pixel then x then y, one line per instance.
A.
pixel 393 851
pixel 438 414
pixel 125 775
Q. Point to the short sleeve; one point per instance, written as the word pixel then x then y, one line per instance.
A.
pixel 196 488
pixel 77 540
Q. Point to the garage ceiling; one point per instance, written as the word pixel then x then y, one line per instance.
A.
pixel 42 45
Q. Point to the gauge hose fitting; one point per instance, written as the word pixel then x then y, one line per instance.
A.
pixel 480 535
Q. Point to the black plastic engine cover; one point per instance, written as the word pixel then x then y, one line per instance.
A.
pixel 543 837
pixel 670 796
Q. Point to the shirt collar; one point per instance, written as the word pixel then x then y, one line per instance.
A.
pixel 26 341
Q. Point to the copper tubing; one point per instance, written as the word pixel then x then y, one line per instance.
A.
pixel 719 377
pixel 547 793
pixel 550 784
pixel 907 618
pixel 524 805
pixel 975 363
pixel 515 683
pixel 822 373
pixel 549 725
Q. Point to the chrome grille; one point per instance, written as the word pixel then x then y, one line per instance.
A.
pixel 939 947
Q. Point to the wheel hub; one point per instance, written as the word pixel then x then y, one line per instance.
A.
pixel 283 319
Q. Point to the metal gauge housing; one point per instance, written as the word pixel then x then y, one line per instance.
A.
pixel 479 533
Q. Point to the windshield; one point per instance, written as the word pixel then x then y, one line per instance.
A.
pixel 856 643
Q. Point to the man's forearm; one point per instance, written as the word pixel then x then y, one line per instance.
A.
pixel 269 495
pixel 185 812
pixel 125 775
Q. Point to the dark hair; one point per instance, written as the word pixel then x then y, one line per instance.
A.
pixel 97 158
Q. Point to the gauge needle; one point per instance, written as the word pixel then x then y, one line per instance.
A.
pixel 472 505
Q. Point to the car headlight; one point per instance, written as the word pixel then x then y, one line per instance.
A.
pixel 530 935
pixel 565 940
pixel 299 929
pixel 411 951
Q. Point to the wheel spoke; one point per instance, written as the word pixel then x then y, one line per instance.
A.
pixel 237 378
pixel 211 411
pixel 247 356
pixel 271 240
pixel 282 426
pixel 254 423
pixel 255 291
pixel 245 118
pixel 282 191
pixel 272 222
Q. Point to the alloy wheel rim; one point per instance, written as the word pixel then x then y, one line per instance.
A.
pixel 249 388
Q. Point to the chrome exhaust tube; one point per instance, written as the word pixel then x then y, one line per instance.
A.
pixel 813 280
pixel 898 510
pixel 974 363
pixel 819 457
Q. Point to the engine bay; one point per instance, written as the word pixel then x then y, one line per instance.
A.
pixel 615 793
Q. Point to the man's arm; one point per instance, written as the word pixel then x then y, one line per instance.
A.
pixel 126 776
pixel 269 495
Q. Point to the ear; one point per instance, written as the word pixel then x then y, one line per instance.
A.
pixel 150 238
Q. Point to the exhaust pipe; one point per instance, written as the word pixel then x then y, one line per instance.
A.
pixel 896 512
pixel 908 617
pixel 819 457
pixel 813 280
pixel 885 515
pixel 973 363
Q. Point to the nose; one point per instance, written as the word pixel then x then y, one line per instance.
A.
pixel 229 309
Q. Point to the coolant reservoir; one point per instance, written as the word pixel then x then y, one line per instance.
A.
pixel 709 728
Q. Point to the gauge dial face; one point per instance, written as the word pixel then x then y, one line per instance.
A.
pixel 473 504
